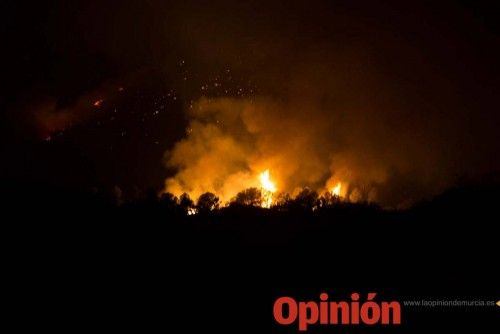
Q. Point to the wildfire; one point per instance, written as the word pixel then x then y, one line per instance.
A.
pixel 268 188
pixel 336 189
pixel 266 183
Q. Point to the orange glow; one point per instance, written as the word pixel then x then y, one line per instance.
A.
pixel 268 188
pixel 98 103
pixel 265 182
pixel 336 189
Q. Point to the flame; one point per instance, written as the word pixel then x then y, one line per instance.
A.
pixel 268 188
pixel 336 189
pixel 266 183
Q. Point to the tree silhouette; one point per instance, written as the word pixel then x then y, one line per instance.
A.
pixel 248 197
pixel 282 201
pixel 168 202
pixel 186 204
pixel 328 200
pixel 207 202
pixel 307 199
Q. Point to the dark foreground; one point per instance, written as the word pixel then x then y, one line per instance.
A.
pixel 77 262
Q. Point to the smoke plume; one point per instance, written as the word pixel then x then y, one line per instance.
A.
pixel 356 95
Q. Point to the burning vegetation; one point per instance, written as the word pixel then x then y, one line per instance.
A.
pixel 239 151
pixel 266 195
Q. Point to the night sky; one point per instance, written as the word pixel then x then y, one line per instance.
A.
pixel 401 97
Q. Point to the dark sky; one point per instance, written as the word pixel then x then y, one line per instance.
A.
pixel 429 70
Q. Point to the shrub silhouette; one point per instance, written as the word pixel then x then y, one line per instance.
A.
pixel 186 204
pixel 169 202
pixel 207 202
pixel 282 201
pixel 307 199
pixel 328 200
pixel 248 197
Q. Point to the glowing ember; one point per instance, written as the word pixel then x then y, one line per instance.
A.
pixel 268 188
pixel 98 103
pixel 192 211
pixel 336 189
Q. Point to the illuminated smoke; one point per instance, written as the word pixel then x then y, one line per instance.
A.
pixel 229 142
pixel 233 144
pixel 393 119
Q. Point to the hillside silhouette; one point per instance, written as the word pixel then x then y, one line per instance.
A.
pixel 145 260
